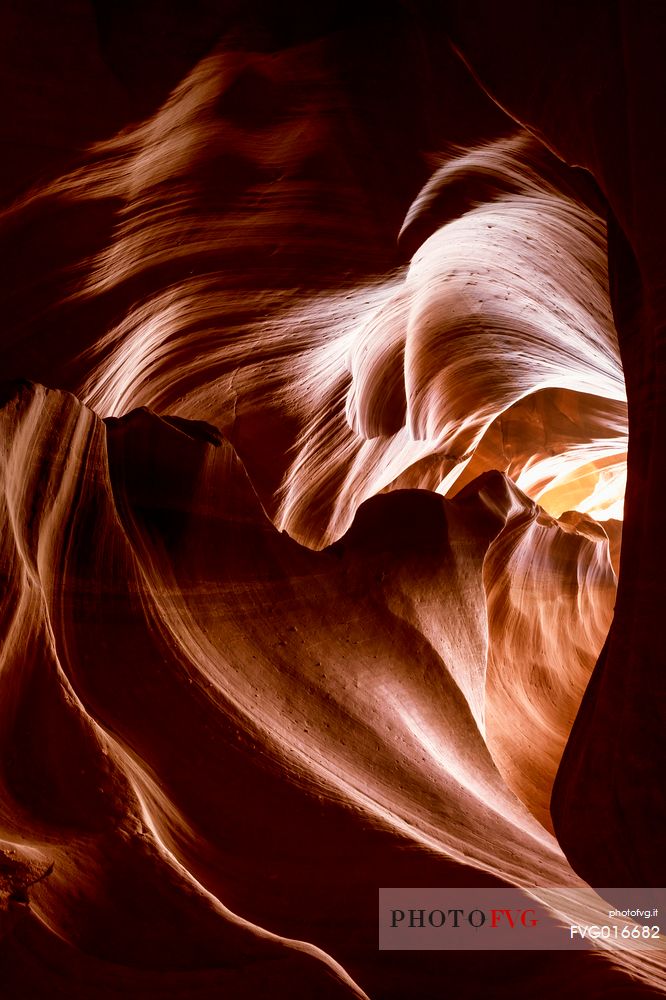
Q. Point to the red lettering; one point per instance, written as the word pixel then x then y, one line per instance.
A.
pixel 497 915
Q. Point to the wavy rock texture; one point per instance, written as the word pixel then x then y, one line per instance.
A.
pixel 611 136
pixel 309 548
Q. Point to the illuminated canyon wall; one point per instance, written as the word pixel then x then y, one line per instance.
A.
pixel 321 354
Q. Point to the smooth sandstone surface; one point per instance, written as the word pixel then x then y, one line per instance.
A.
pixel 323 385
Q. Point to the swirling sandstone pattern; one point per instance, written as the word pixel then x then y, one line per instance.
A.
pixel 310 550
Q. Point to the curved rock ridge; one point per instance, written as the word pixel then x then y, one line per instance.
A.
pixel 77 795
pixel 167 649
pixel 311 555
pixel 606 782
pixel 219 253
